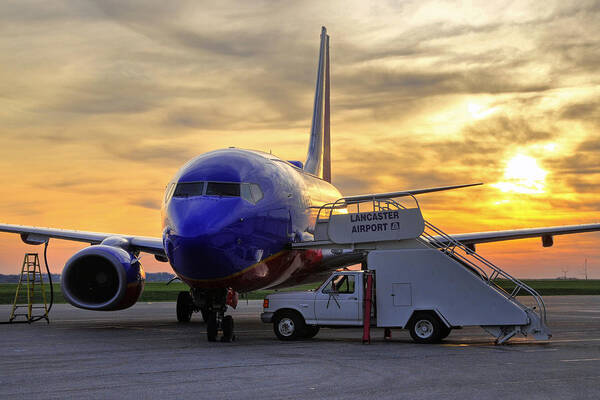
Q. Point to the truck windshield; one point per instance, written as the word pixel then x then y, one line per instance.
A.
pixel 340 284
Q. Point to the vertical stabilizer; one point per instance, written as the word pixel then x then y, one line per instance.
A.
pixel 318 160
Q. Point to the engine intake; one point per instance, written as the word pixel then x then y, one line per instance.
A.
pixel 102 277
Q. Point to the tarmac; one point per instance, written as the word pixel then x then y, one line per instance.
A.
pixel 143 352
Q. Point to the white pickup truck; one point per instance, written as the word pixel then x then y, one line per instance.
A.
pixel 421 290
pixel 338 301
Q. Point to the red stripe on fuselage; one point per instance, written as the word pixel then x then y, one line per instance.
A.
pixel 287 265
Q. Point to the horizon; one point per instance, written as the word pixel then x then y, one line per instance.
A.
pixel 568 277
pixel 102 103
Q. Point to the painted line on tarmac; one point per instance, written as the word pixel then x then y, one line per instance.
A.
pixel 574 340
pixel 539 351
pixel 581 360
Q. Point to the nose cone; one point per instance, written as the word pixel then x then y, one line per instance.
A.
pixel 203 239
pixel 200 216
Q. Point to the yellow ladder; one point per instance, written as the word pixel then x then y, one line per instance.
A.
pixel 31 274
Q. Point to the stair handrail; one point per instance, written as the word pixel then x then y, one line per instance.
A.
pixel 451 242
pixel 432 242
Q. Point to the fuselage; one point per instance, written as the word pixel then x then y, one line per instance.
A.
pixel 229 215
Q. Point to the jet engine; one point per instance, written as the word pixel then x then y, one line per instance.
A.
pixel 103 277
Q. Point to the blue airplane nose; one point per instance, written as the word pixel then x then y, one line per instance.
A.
pixel 204 240
pixel 201 216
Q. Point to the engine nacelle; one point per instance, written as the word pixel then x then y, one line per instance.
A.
pixel 103 277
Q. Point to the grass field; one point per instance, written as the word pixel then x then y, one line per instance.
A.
pixel 155 291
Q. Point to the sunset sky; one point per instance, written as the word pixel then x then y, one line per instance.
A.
pixel 101 102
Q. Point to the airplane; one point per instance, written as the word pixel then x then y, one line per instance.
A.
pixel 229 217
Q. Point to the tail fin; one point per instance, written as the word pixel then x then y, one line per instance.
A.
pixel 318 160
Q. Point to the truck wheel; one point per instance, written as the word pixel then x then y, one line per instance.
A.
pixel 185 307
pixel 445 331
pixel 311 331
pixel 289 326
pixel 425 328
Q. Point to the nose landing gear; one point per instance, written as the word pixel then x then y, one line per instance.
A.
pixel 227 327
pixel 218 322
pixel 212 303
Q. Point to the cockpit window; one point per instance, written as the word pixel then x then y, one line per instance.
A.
pixel 246 193
pixel 223 189
pixel 257 194
pixel 250 192
pixel 189 189
pixel 169 192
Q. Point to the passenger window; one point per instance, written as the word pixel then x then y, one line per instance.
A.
pixel 340 284
pixel 188 189
pixel 223 189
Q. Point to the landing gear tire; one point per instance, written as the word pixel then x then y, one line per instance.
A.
pixel 227 326
pixel 425 328
pixel 211 327
pixel 185 307
pixel 311 331
pixel 289 326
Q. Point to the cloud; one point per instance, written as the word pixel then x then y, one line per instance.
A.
pixel 153 204
pixel 474 154
pixel 112 95
pixel 588 112
pixel 153 153
pixel 580 171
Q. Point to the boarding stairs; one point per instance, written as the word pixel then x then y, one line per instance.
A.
pixel 337 227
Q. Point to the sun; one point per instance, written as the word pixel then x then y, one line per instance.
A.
pixel 523 175
pixel 478 111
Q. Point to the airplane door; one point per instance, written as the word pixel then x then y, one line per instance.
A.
pixel 337 301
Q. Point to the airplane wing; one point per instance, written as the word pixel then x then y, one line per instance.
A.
pixel 403 193
pixel 35 235
pixel 470 239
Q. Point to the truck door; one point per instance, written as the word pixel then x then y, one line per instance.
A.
pixel 336 302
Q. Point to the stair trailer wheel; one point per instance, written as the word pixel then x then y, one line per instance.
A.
pixel 426 328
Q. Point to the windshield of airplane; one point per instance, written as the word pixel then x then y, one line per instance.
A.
pixel 250 192
pixel 186 189
pixel 223 189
